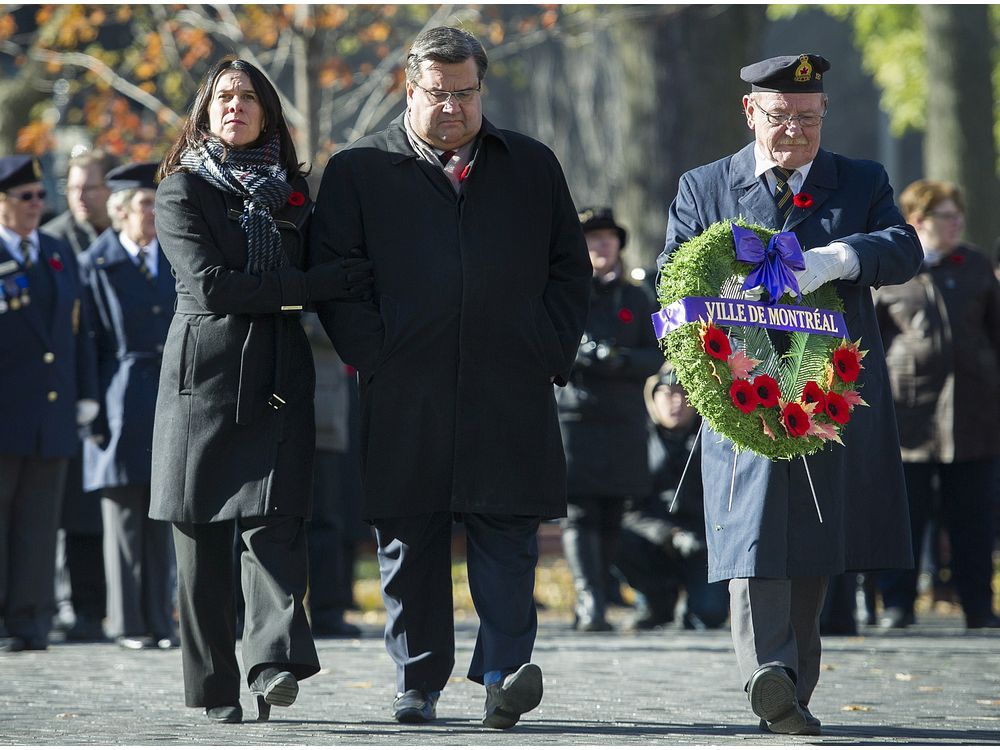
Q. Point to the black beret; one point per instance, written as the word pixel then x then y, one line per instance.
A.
pixel 788 74
pixel 129 176
pixel 601 217
pixel 18 170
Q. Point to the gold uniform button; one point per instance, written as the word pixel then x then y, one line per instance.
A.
pixel 53 395
pixel 48 358
pixel 156 310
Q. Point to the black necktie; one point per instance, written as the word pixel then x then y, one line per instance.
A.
pixel 26 248
pixel 445 157
pixel 143 266
pixel 783 193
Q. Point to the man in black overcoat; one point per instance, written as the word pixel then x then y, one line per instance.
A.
pixel 482 280
pixel 771 544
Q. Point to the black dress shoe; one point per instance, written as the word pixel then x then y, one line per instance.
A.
pixel 12 644
pixel 987 621
pixel 772 697
pixel 86 630
pixel 273 687
pixel 334 628
pixel 415 706
pixel 812 728
pixel 514 695
pixel 225 714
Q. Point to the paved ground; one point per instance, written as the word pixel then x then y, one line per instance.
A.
pixel 932 684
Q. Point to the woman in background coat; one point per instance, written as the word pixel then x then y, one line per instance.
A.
pixel 234 435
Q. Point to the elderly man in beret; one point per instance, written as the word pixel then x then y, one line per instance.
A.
pixel 131 289
pixel 49 384
pixel 772 546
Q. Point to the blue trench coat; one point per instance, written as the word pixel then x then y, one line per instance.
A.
pixel 773 530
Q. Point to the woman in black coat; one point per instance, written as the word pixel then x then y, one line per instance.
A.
pixel 234 436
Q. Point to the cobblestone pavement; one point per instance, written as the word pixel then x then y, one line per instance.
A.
pixel 930 684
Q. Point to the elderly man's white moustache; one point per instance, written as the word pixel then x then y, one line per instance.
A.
pixel 793 142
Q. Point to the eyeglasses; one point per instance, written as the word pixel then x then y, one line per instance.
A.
pixel 441 97
pixel 808 120
pixel 946 215
pixel 28 195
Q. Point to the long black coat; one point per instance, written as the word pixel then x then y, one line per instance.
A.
pixel 772 530
pixel 130 317
pixel 221 449
pixel 481 301
pixel 601 410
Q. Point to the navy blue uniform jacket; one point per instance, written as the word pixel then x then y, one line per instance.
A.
pixel 130 317
pixel 45 369
pixel 773 530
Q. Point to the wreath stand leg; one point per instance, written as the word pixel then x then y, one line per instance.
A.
pixel 809 477
pixel 677 492
pixel 732 482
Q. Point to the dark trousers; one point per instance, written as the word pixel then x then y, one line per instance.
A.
pixel 138 560
pixel 30 497
pixel 776 622
pixel 966 493
pixel 80 583
pixel 331 543
pixel 274 573
pixel 414 556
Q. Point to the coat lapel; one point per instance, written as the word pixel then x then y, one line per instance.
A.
pixel 819 185
pixel 64 286
pixel 756 201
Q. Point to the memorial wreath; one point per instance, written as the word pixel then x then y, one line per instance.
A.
pixel 777 405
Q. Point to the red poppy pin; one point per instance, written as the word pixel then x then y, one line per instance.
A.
pixel 296 198
pixel 802 200
pixel 956 259
pixel 55 263
pixel 625 315
pixel 465 172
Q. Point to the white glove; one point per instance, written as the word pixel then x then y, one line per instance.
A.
pixel 86 411
pixel 686 543
pixel 828 263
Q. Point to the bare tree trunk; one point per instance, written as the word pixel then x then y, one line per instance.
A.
pixel 681 105
pixel 304 53
pixel 959 145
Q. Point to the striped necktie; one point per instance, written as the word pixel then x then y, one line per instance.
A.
pixel 782 192
pixel 445 157
pixel 26 247
pixel 143 265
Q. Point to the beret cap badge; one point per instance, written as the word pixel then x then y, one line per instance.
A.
pixel 804 72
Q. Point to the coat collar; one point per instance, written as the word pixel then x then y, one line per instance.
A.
pixel 756 200
pixel 108 251
pixel 399 148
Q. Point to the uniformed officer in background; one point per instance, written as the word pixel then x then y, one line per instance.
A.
pixel 131 290
pixel 49 388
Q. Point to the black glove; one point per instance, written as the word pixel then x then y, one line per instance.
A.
pixel 346 279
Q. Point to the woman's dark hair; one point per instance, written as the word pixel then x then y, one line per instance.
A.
pixel 196 127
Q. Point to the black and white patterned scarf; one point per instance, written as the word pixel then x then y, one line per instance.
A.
pixel 256 175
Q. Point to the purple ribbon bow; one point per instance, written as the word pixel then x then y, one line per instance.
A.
pixel 774 266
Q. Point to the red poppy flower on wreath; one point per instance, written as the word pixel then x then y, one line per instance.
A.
pixel 625 315
pixel 956 259
pixel 813 394
pixel 296 198
pixel 742 394
pixel 795 420
pixel 846 363
pixel 802 200
pixel 716 343
pixel 837 408
pixel 55 263
pixel 767 390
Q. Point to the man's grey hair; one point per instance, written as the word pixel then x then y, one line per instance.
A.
pixel 445 44
pixel 117 205
pixel 756 96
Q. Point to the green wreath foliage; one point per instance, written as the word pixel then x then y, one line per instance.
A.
pixel 706 266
